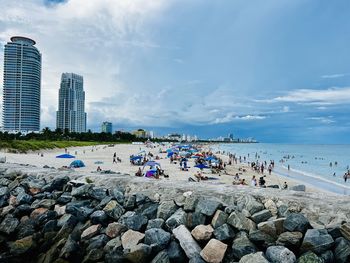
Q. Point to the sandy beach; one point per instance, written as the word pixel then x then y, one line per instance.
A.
pixel 104 155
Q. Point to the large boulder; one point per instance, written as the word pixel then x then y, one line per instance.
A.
pixel 8 225
pixel 114 209
pixel 279 254
pixel 115 229
pixel 176 219
pixel 224 233
pixel 342 250
pixel 296 222
pixel 157 238
pixel 202 232
pixel 240 222
pixel 257 257
pixel 242 246
pixel 317 241
pixel 291 240
pixel 131 238
pixel 155 223
pixel 219 219
pixel 208 206
pixel 249 203
pixel 261 216
pixel 99 217
pixel 261 239
pixel 133 220
pixel 214 251
pixel 175 253
pixel 273 227
pixel 188 244
pixel 138 253
pixel 166 209
pixel 345 230
pixel 310 257
pixel 195 219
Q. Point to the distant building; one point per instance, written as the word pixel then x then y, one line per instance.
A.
pixel 22 81
pixel 106 127
pixel 140 133
pixel 71 104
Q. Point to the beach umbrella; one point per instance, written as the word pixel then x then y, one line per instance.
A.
pixel 183 153
pixel 201 166
pixel 77 164
pixel 210 158
pixel 65 156
pixel 134 158
pixel 195 156
pixel 170 154
pixel 151 163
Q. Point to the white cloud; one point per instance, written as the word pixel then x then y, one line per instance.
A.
pixel 324 120
pixel 230 117
pixel 333 76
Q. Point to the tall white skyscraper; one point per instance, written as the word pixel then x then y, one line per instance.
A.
pixel 22 81
pixel 71 104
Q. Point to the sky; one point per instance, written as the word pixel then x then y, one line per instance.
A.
pixel 278 71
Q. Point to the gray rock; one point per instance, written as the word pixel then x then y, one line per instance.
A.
pixel 155 223
pixel 296 223
pixel 224 233
pixel 190 203
pixel 176 219
pixel 79 210
pixel 327 257
pixel 257 257
pixel 25 229
pixel 219 219
pixel 4 191
pixel 249 203
pixel 261 239
pixel 208 206
pixel 50 226
pixel 342 250
pixel 98 193
pixel 21 246
pixel 261 216
pixel 8 225
pixel 309 257
pixel 188 244
pixel 97 242
pixel 161 257
pixel 158 238
pixel 24 198
pixel 175 252
pixel 290 240
pixel 334 231
pixel 273 227
pixel 46 203
pixel 166 209
pixel 67 219
pixel 70 249
pixel 279 254
pixel 133 220
pixel 194 219
pixel 242 246
pixel 130 202
pixel 22 210
pixel 138 253
pixel 58 183
pixel 299 187
pixel 64 198
pixel 114 209
pixel 317 241
pixel 113 244
pixel 148 209
pixel 99 217
pixel 45 217
pixel 93 255
pixel 118 195
pixel 283 211
pixel 4 181
pixel 82 191
pixel 345 230
pixel 240 222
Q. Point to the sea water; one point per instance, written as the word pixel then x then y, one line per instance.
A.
pixel 312 164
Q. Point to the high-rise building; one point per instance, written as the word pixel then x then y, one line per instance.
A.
pixel 71 104
pixel 106 127
pixel 22 81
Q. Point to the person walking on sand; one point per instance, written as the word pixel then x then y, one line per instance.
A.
pixel 114 160
pixel 345 177
pixel 288 167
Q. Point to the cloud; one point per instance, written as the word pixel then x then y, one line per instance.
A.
pixel 324 120
pixel 322 97
pixel 230 117
pixel 334 76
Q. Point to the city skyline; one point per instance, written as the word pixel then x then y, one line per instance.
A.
pixel 275 71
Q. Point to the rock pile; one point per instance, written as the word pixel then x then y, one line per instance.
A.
pixel 68 221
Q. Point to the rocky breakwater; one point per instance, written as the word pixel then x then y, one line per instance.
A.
pixel 63 220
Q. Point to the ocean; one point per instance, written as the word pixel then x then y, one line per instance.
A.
pixel 311 164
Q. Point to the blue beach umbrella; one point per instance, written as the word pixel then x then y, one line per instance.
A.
pixel 65 156
pixel 151 163
pixel 77 164
pixel 201 166
pixel 136 158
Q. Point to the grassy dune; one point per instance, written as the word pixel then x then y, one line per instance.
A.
pixel 35 145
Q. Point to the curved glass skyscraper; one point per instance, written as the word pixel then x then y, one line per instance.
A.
pixel 22 81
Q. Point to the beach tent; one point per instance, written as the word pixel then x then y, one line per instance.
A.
pixel 77 164
pixel 134 158
pixel 201 166
pixel 151 163
pixel 65 156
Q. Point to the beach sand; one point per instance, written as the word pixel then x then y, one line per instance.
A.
pixel 103 153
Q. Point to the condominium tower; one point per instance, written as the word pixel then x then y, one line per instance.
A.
pixel 106 127
pixel 71 104
pixel 22 81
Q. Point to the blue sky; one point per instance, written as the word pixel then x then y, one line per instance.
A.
pixel 275 70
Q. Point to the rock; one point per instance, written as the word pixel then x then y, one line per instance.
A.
pixel 138 253
pixel 345 230
pixel 6 210
pixel 114 210
pixel 240 222
pixel 70 249
pixel 131 238
pixel 219 218
pixel 202 232
pixel 224 233
pixel 67 219
pixel 249 203
pixel 155 223
pixel 133 220
pixel 166 209
pixel 64 198
pixel 129 203
pixel 195 219
pixel 161 257
pixel 175 252
pixel 50 226
pixel 342 250
pixel 21 246
pixel 290 240
pixel 309 257
pixel 118 195
pixel 242 246
pixel 60 210
pixel 176 219
pixel 37 212
pixel 261 239
pixel 334 231
pixel 97 242
pixel 99 217
pixel 8 225
pixel 98 193
pixel 327 257
pixel 45 203
pixel 82 191
pixel 283 211
pixel 157 238
pixel 273 228
pixel 22 210
pixel 93 255
pixel 214 251
pixel 23 198
pixel 279 254
pixel 188 244
pixel 45 217
pixel 4 191
pixel 115 229
pixel 317 241
pixel 190 203
pixel 299 187
pixel 296 222
pixel 257 257
pixel 196 260
pixel 80 210
pixel 271 206
pixel 58 183
pixel 113 244
pixel 261 216
pixel 25 229
pixel 90 231
pixel 208 206
pixel 148 210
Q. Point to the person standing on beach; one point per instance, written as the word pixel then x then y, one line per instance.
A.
pixel 345 177
pixel 288 167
